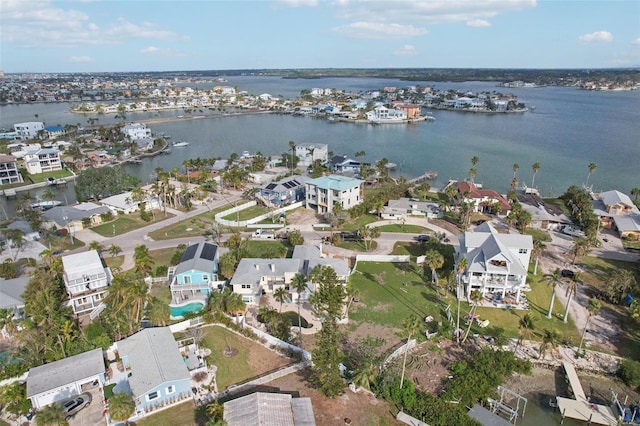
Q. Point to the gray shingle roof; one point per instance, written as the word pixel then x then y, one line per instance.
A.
pixel 250 270
pixel 11 292
pixel 65 371
pixel 269 409
pixel 154 358
pixel 58 213
pixel 196 262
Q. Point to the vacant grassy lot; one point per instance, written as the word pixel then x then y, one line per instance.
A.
pixel 249 360
pixel 193 227
pixel 248 213
pixel 266 249
pixel 41 177
pixel 184 414
pixel 162 292
pixel 359 222
pixel 124 224
pixel 61 243
pixel 409 229
pixel 113 262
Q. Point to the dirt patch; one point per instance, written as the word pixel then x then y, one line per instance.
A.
pixel 230 352
pixel 428 364
pixel 446 225
pixel 263 360
pixel 388 334
pixel 302 217
pixel 361 408
pixel 382 307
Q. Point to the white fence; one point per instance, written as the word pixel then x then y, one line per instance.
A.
pixel 244 223
pixel 409 345
pixel 183 325
pixel 274 341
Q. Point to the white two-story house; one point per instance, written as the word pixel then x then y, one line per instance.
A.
pixel 85 280
pixel 497 263
pixel 324 193
pixel 9 172
pixel 42 161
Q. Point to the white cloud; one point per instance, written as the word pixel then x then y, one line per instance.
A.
pixel 81 59
pixel 636 41
pixel 406 50
pixel 153 50
pixel 478 23
pixel 297 3
pixel 42 23
pixel 597 37
pixel 430 12
pixel 377 30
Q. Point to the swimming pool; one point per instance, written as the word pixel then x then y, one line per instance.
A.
pixel 180 311
pixel 292 317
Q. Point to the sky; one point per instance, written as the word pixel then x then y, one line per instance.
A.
pixel 168 35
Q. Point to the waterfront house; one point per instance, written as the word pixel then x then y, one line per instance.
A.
pixel 55 131
pixel 344 165
pixel 197 271
pixel 65 378
pixel 125 204
pixel 497 263
pixel 328 191
pixel 144 144
pixel 307 153
pixel 382 114
pixel 402 208
pixel 157 374
pixel 412 110
pixel 543 216
pixel 616 211
pixel 28 130
pixel 9 172
pixel 42 161
pixel 73 218
pixel 483 200
pixel 283 192
pixel 136 131
pixel 261 408
pixel 86 281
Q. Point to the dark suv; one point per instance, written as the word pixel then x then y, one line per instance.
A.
pixel 423 238
pixel 75 404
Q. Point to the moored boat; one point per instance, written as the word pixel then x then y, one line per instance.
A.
pixel 180 143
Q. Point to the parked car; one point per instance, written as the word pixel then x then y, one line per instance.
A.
pixel 72 406
pixel 567 273
pixel 422 238
pixel 262 234
pixel 351 236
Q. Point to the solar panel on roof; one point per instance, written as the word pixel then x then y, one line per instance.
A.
pixel 295 182
pixel 271 186
pixel 208 252
pixel 189 253
pixel 287 185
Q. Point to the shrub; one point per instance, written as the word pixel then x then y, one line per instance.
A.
pixel 629 372
pixel 161 271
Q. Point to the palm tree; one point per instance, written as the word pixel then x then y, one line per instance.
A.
pixel 292 147
pixel 461 267
pixel 526 327
pixel 594 309
pixel 94 245
pixel 635 192
pixel 571 290
pixel 472 174
pixel 516 167
pixel 365 376
pixel 280 295
pixel 476 297
pixel 549 342
pixel 51 415
pixel 114 250
pixel 411 326
pixel 121 406
pixel 434 260
pixel 535 167
pixel 538 248
pixel 552 279
pixel 299 285
pixel 580 247
pixel 592 168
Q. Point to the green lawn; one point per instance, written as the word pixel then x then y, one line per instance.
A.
pixel 60 243
pixel 419 249
pixel 359 222
pixel 184 414
pixel 266 249
pixel 248 213
pixel 357 245
pixel 42 177
pixel 162 292
pixel 162 257
pixel 409 229
pixel 538 234
pixel 192 227
pixel 124 224
pixel 112 262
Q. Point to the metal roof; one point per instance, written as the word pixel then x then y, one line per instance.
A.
pixel 65 371
pixel 269 409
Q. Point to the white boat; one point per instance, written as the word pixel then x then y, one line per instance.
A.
pixel 46 205
pixel 180 143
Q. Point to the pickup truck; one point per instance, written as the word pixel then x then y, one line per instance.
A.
pixel 573 231
pixel 262 234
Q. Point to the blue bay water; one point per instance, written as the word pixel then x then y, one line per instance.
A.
pixel 567 130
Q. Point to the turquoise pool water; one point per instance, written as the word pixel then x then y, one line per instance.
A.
pixel 180 311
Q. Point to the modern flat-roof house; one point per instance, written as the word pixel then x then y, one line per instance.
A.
pixel 616 211
pixel 126 204
pixel 255 277
pixel 42 161
pixel 9 172
pixel 484 200
pixel 197 271
pixel 85 280
pixel 269 409
pixel 404 207
pixel 326 192
pixel 28 130
pixel 497 263
pixel 307 153
pixel 157 374
pixel 65 378
pixel 285 191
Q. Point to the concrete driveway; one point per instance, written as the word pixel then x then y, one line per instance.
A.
pixel 92 415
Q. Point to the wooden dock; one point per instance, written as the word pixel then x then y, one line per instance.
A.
pixel 580 408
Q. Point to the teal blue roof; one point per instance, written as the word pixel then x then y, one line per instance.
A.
pixel 335 182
